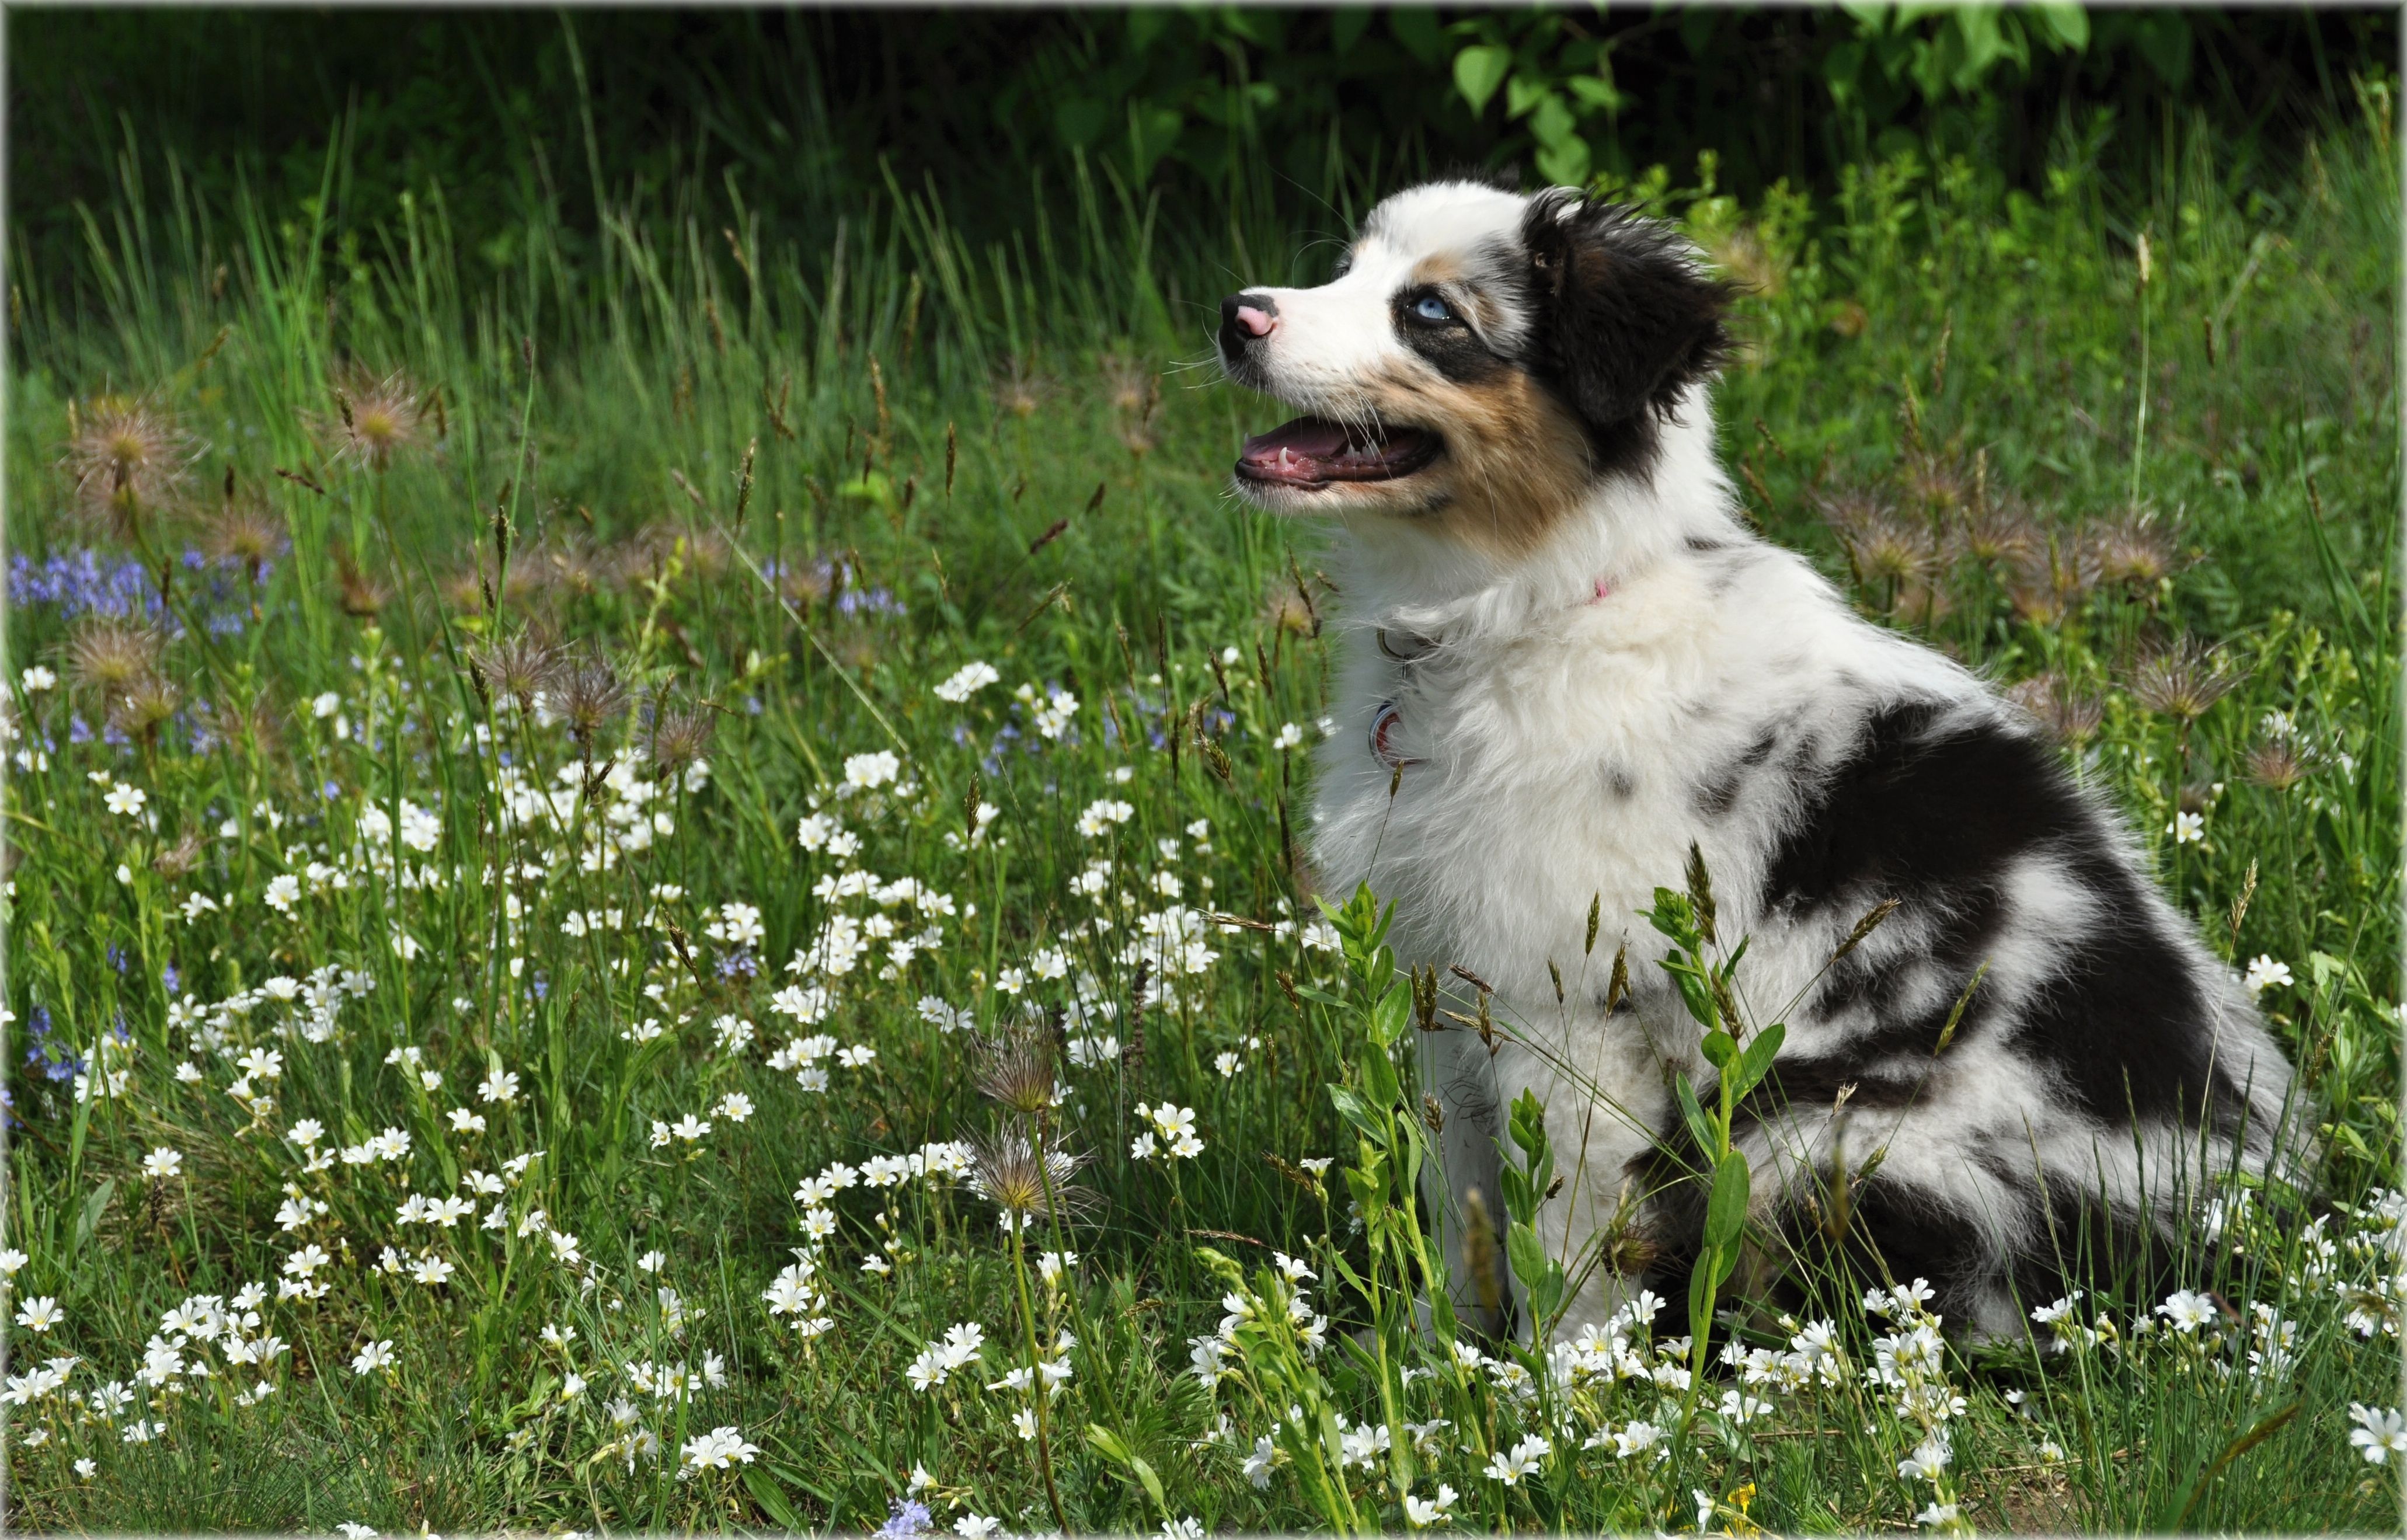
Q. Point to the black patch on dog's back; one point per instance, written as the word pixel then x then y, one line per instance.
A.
pixel 1934 813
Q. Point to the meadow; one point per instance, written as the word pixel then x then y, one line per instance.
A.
pixel 657 881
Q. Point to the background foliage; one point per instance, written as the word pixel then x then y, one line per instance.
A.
pixel 1277 119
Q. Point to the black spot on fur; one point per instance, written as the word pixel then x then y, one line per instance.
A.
pixel 1626 321
pixel 1934 813
pixel 1622 783
pixel 1718 795
pixel 1701 543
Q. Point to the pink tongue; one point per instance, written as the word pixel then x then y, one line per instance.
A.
pixel 1305 438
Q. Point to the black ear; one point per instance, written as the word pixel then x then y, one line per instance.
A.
pixel 1626 319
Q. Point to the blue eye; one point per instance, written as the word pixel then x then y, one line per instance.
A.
pixel 1430 307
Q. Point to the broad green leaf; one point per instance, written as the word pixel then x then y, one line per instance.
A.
pixel 1719 1048
pixel 2062 24
pixel 1478 71
pixel 1552 124
pixel 1521 93
pixel 1597 91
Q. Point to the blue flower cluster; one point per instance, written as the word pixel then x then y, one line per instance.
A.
pixel 89 582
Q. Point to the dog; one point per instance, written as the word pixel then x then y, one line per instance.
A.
pixel 1567 663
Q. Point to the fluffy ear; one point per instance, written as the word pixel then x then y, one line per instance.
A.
pixel 1626 319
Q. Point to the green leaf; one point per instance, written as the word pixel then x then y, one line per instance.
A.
pixel 1153 132
pixel 2061 24
pixel 1379 1080
pixel 1702 1284
pixel 1112 1447
pixel 765 1491
pixel 1526 1120
pixel 1726 1210
pixel 1596 91
pixel 1079 121
pixel 1699 1129
pixel 1552 124
pixel 1417 27
pixel 1674 915
pixel 1719 1048
pixel 1519 1202
pixel 1478 71
pixel 95 1206
pixel 1521 93
pixel 1349 1107
pixel 1390 1016
pixel 1321 995
pixel 1757 1061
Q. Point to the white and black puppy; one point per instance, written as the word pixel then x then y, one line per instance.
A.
pixel 1584 663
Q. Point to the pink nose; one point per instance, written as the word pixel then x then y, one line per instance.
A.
pixel 1256 322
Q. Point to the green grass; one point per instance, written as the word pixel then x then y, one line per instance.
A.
pixel 796 491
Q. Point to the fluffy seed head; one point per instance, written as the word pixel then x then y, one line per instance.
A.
pixel 2183 680
pixel 376 419
pixel 1016 1073
pixel 1007 1172
pixel 2070 715
pixel 178 859
pixel 679 735
pixel 247 532
pixel 125 457
pixel 2134 552
pixel 514 666
pixel 2276 767
pixel 109 657
pixel 588 693
pixel 2001 535
pixel 146 706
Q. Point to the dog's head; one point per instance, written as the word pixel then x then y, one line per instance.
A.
pixel 1479 360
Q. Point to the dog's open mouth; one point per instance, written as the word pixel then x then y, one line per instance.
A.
pixel 1312 451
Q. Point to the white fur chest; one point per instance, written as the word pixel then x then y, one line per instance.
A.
pixel 1543 768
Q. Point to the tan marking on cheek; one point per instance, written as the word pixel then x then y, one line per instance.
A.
pixel 1516 460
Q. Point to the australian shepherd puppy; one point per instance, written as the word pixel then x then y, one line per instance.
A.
pixel 1582 664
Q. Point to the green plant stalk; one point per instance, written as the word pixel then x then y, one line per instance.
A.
pixel 1036 1389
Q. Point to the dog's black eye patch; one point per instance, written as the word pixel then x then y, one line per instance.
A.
pixel 1433 325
